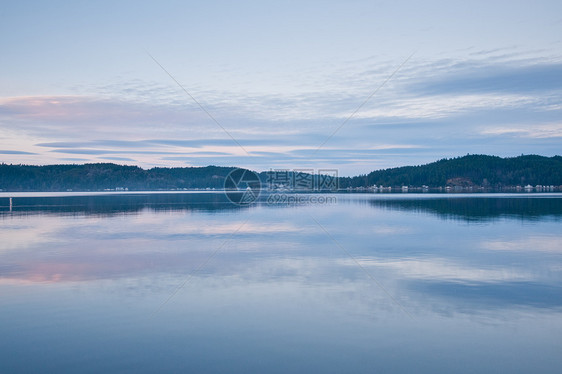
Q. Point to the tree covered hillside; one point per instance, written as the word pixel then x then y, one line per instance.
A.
pixel 470 170
pixel 95 177
pixel 480 170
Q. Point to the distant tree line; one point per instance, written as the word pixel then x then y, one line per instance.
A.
pixel 98 177
pixel 469 170
pixel 477 170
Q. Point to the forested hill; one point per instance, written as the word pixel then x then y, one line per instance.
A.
pixel 470 170
pixel 97 177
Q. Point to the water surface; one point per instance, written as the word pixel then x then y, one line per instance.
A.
pixel 364 283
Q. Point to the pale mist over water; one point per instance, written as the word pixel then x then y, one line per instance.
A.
pixel 357 283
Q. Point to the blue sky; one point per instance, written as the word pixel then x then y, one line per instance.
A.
pixel 284 79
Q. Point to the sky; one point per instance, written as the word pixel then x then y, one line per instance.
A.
pixel 349 85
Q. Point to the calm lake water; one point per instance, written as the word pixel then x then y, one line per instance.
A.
pixel 358 283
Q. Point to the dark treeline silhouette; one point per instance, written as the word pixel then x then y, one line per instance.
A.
pixel 98 177
pixel 470 170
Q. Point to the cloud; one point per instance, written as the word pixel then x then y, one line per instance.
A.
pixel 541 131
pixel 84 118
pixel 74 159
pixel 108 151
pixel 96 143
pixel 444 106
pixel 368 150
pixel 11 152
pixel 487 103
pixel 82 151
pixel 161 143
pixel 116 158
pixel 196 154
pixel 481 78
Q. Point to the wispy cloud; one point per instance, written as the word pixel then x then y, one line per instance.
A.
pixel 116 158
pixel 108 151
pixel 491 102
pixel 478 78
pixel 12 152
pixel 540 131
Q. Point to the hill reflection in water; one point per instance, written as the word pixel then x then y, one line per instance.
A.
pixel 478 208
pixel 109 204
